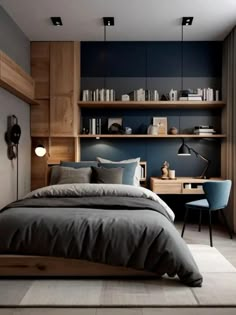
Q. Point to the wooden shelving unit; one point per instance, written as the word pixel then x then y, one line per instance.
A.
pixel 154 105
pixel 55 122
pixel 152 136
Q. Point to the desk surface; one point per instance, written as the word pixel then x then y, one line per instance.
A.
pixel 180 185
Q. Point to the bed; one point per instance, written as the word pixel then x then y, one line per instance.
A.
pixel 85 229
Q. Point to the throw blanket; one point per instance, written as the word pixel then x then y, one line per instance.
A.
pixel 111 224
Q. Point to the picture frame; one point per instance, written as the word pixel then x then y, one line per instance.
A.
pixel 117 120
pixel 161 122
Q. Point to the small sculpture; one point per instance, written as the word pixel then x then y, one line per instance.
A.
pixel 173 131
pixel 165 170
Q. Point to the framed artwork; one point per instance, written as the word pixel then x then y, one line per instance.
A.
pixel 116 120
pixel 161 123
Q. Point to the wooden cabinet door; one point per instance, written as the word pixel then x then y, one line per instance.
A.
pixel 63 89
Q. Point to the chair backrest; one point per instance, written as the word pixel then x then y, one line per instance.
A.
pixel 217 193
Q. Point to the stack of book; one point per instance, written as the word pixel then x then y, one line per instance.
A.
pixel 144 95
pixel 187 95
pixel 95 126
pixel 204 130
pixel 98 95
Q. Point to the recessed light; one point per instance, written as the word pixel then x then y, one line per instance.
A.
pixel 187 20
pixel 108 21
pixel 56 20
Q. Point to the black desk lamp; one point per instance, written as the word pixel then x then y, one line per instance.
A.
pixel 185 150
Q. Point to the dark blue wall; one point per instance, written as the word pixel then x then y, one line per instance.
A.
pixel 150 59
pixel 129 65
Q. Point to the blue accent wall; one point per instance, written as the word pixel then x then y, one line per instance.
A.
pixel 125 66
pixel 150 59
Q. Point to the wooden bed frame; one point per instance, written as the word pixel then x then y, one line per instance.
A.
pixel 37 266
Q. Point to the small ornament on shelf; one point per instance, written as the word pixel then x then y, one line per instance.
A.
pixel 173 131
pixel 165 170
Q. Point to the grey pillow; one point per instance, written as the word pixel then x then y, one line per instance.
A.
pixel 78 164
pixel 138 170
pixel 69 175
pixel 128 173
pixel 103 175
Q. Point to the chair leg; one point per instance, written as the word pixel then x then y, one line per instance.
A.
pixel 185 221
pixel 210 229
pixel 200 220
pixel 226 224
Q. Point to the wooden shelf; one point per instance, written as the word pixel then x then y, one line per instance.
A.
pixel 152 104
pixel 14 79
pixel 152 136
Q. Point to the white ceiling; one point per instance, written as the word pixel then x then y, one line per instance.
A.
pixel 141 20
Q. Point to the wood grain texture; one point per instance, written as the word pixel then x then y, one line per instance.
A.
pixel 151 136
pixel 63 89
pixel 39 164
pixel 61 116
pixel 61 149
pixel 14 79
pixel 40 119
pixel 40 68
pixel 177 186
pixel 154 104
pixel 12 265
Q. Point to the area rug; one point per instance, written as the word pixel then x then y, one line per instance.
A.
pixel 219 289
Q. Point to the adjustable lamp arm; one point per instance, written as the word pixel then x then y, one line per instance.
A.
pixel 203 174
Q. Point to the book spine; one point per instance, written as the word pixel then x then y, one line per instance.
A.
pixel 93 126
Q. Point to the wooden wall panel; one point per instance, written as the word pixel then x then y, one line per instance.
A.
pixel 62 116
pixel 62 68
pixel 38 164
pixel 56 69
pixel 61 149
pixel 40 119
pixel 40 68
pixel 63 89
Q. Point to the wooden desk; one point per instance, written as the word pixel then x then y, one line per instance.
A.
pixel 181 185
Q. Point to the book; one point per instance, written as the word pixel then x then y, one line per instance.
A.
pixel 204 133
pixel 203 127
pixel 204 130
pixel 194 98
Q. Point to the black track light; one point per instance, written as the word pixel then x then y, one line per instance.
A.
pixel 187 20
pixel 108 21
pixel 56 20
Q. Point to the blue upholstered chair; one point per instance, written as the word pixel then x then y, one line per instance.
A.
pixel 217 197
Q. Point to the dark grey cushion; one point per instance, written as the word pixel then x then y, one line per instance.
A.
pixel 103 175
pixel 69 175
pixel 79 164
pixel 128 173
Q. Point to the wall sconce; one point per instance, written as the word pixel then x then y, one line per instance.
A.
pixel 40 150
pixel 185 150
pixel 12 137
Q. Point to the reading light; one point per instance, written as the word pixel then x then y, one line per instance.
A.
pixel 56 20
pixel 40 150
pixel 185 150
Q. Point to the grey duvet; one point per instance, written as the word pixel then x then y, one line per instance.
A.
pixel 111 224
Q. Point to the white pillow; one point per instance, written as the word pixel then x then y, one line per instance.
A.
pixel 137 174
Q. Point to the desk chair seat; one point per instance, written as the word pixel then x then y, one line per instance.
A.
pixel 217 197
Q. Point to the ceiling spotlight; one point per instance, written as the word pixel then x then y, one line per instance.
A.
pixel 187 20
pixel 56 20
pixel 108 21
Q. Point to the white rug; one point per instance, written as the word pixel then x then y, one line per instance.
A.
pixel 219 289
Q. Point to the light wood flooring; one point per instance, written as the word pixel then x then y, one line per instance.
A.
pixel 221 241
